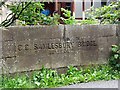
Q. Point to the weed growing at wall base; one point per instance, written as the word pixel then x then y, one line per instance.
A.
pixel 47 78
pixel 114 60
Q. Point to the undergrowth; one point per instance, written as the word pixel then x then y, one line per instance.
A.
pixel 48 78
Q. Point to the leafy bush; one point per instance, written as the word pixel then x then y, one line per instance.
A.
pixel 82 22
pixel 45 78
pixel 114 60
pixel 32 14
pixel 48 20
pixel 69 19
pixel 16 82
pixel 106 15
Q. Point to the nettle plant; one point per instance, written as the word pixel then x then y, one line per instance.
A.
pixel 105 15
pixel 69 19
pixel 114 60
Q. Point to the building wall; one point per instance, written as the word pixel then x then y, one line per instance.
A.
pixel 78 9
pixel 97 3
pixel 79 13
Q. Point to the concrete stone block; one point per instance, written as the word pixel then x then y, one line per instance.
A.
pixel 1 34
pixel 113 40
pixel 30 47
pixel 88 58
pixel 106 30
pixel 119 39
pixel 90 30
pixel 1 66
pixel 103 53
pixel 8 48
pixel 30 32
pixel 9 65
pixel 32 62
pixel 7 35
pixel 24 48
pixel 1 53
pixel 118 30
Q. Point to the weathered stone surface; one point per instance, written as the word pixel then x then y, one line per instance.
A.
pixel 7 35
pixel 1 35
pixel 103 52
pixel 1 51
pixel 118 39
pixel 65 59
pixel 32 62
pixel 118 33
pixel 31 47
pixel 118 30
pixel 108 30
pixel 9 65
pixel 8 48
pixel 1 64
pixel 90 30
pixel 43 32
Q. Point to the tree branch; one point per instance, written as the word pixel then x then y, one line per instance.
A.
pixel 15 16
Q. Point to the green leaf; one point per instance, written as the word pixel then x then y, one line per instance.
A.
pixel 116 56
pixel 114 48
pixel 37 83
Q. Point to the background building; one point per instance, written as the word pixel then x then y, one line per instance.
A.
pixel 77 7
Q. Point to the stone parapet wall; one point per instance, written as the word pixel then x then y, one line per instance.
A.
pixel 30 47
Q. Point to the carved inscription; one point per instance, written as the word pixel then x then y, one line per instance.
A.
pixel 53 45
pixel 86 43
pixel 57 46
pixel 82 42
pixel 21 47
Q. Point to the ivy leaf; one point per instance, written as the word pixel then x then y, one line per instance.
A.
pixel 37 83
pixel 114 48
pixel 116 56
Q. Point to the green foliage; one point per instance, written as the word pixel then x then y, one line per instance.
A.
pixel 47 78
pixel 68 18
pixel 48 20
pixel 17 82
pixel 106 15
pixel 114 60
pixel 84 22
pixel 32 14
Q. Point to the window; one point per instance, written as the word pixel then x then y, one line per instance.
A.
pixel 103 3
pixel 68 6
